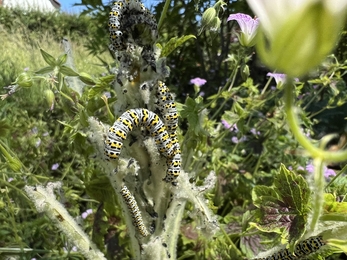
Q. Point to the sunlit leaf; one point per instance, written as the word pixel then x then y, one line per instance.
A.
pixel 173 43
pixel 67 71
pixel 48 58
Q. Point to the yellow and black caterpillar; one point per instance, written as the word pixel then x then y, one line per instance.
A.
pixel 151 121
pixel 123 16
pixel 167 108
pixel 131 24
pixel 134 211
pixel 304 248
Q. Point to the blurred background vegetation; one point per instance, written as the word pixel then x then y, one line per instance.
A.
pixel 32 130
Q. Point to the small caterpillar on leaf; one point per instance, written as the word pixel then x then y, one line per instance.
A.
pixel 304 248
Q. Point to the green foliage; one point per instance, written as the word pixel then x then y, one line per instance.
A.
pixel 238 129
pixel 38 24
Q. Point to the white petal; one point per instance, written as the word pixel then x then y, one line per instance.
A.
pixel 336 6
pixel 274 13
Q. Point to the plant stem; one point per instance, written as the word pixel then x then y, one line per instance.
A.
pixel 318 200
pixel 293 123
pixel 163 13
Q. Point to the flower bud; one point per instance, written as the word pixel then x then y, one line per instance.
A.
pixel 215 24
pixel 296 36
pixel 24 80
pixel 245 72
pixel 208 17
pixel 86 78
pixel 50 98
pixel 13 162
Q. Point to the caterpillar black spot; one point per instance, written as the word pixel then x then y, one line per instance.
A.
pixel 304 248
pixel 167 107
pixel 134 211
pixel 131 23
pixel 151 121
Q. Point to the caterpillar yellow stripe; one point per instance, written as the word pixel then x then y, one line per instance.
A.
pixel 304 248
pixel 134 211
pixel 151 121
pixel 167 107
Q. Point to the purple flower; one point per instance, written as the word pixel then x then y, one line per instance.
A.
pixel 232 128
pixel 86 213
pixel 226 124
pixel 248 27
pixel 201 93
pixel 300 168
pixel 198 81
pixel 107 94
pixel 26 69
pixel 254 131
pixel 279 77
pixel 55 166
pixel 10 179
pixel 309 168
pixel 306 132
pixel 329 172
pixel 236 140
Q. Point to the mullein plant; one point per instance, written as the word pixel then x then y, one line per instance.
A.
pixel 293 38
pixel 153 207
